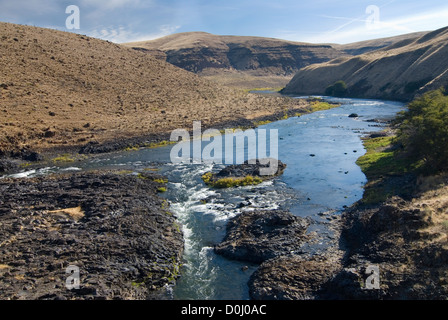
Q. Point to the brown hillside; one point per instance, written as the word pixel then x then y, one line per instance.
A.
pixel 400 71
pixel 252 62
pixel 239 59
pixel 361 47
pixel 63 89
pixel 199 51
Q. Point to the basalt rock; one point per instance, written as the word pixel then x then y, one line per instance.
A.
pixel 293 277
pixel 111 226
pixel 251 172
pixel 256 236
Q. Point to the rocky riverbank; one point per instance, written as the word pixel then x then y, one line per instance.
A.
pixel 111 225
pixel 403 239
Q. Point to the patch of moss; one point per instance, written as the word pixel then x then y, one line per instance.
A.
pixel 230 182
pixel 261 123
pixel 25 165
pixel 162 181
pixel 380 159
pixel 163 143
pixel 161 189
pixel 321 105
pixel 63 158
pixel 379 163
pixel 132 148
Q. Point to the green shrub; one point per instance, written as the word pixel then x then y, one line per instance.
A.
pixel 230 182
pixel 337 89
pixel 423 130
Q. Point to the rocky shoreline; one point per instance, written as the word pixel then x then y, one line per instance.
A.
pixel 127 244
pixel 403 240
pixel 112 226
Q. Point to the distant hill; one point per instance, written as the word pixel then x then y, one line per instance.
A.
pixel 199 52
pixel 399 71
pixel 62 89
pixel 361 47
pixel 251 62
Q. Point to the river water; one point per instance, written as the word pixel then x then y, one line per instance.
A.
pixel 320 151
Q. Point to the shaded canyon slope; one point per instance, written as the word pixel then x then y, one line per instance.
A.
pixel 202 52
pixel 251 62
pixel 400 71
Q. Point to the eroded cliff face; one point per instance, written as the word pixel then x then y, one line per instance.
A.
pixel 400 71
pixel 198 52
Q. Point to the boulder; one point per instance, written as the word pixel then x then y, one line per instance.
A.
pixel 256 236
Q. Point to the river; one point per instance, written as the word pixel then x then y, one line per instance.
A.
pixel 320 150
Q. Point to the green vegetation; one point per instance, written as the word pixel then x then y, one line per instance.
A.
pixel 321 105
pixel 132 148
pixel 419 148
pixel 423 130
pixel 25 165
pixel 161 189
pixel 230 182
pixel 163 143
pixel 337 89
pixel 381 159
pixel 261 123
pixel 381 162
pixel 63 158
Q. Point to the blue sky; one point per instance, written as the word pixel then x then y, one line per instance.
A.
pixel 317 21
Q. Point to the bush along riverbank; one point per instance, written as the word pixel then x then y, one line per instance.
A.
pixel 111 227
pixel 393 244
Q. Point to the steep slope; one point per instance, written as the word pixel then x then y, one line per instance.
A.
pixel 361 47
pixel 199 52
pixel 62 89
pixel 400 71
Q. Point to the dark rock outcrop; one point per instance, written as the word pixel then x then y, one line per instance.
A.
pixel 256 236
pixel 8 165
pixel 403 241
pixel 200 51
pixel 112 226
pixel 251 172
pixel 292 278
pixel 252 169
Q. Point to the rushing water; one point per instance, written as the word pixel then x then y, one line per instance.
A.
pixel 320 150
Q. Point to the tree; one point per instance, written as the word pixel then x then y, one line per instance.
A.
pixel 337 89
pixel 423 130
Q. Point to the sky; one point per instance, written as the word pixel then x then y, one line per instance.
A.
pixel 317 21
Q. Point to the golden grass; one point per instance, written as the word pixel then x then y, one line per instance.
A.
pixel 74 213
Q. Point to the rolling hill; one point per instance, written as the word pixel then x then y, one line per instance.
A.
pixel 60 89
pixel 199 52
pixel 251 62
pixel 399 71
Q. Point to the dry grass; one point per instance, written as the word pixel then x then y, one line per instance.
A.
pixel 62 89
pixel 433 201
pixel 74 213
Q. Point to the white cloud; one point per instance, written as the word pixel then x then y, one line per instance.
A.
pixel 357 29
pixel 122 34
pixel 112 4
